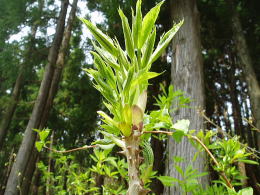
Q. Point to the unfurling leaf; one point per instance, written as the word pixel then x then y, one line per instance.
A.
pixel 137 116
pixel 104 40
pixel 125 129
pixel 127 114
pixel 142 99
pixel 182 125
pixel 165 40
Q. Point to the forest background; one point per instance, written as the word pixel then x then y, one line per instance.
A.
pixel 214 60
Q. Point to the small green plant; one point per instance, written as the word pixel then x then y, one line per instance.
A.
pixel 122 77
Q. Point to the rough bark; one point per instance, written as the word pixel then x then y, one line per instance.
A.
pixel 24 68
pixel 187 75
pixel 28 174
pixel 59 64
pixel 247 67
pixel 14 180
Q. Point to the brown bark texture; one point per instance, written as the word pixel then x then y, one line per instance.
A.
pixel 247 67
pixel 187 75
pixel 23 155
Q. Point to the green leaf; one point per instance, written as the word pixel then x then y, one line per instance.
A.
pixel 128 82
pixel 148 23
pixel 107 57
pixel 104 40
pixel 178 159
pixel 145 77
pixel 148 49
pixel 111 129
pixel 39 145
pixel 177 136
pixel 106 147
pixel 182 125
pixel 249 162
pixel 167 180
pixel 107 118
pixel 127 114
pixel 246 191
pixel 114 139
pixel 127 35
pixel 137 23
pixel 100 65
pixel 164 41
pixel 125 129
pixel 44 134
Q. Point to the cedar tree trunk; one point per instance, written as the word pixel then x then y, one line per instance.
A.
pixel 187 75
pixel 23 155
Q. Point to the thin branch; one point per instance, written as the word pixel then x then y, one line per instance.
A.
pixel 72 150
pixel 223 133
pixel 204 146
pixel 159 132
pixel 251 124
pixel 213 158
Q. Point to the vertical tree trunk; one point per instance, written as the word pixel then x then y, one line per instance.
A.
pixel 187 75
pixel 28 174
pixel 247 67
pixel 236 107
pixel 13 184
pixel 53 90
pixel 25 67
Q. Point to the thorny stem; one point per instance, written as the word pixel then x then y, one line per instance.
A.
pixel 206 149
pixel 72 150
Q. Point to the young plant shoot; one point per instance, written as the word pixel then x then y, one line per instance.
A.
pixel 122 76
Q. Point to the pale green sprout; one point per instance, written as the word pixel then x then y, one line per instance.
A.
pixel 122 76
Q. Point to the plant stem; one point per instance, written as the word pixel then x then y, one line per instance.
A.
pixel 132 144
pixel 72 150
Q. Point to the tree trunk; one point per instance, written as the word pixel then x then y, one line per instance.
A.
pixel 59 64
pixel 53 90
pixel 28 174
pixel 13 184
pixel 247 67
pixel 24 68
pixel 187 75
pixel 236 106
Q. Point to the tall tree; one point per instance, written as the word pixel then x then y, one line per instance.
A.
pixel 27 145
pixel 25 67
pixel 187 75
pixel 247 66
pixel 52 92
